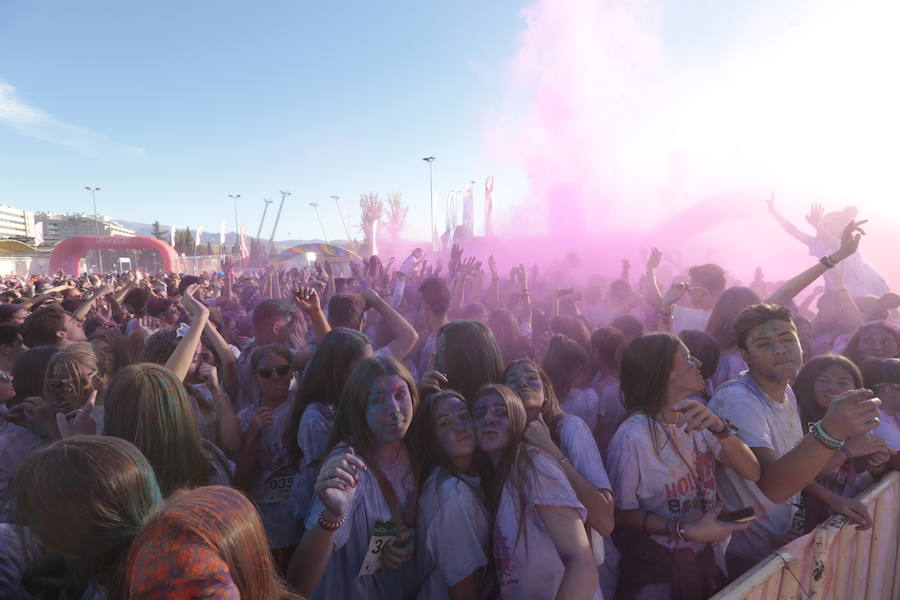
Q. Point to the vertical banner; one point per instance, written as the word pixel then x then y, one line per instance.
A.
pixel 172 236
pixel 222 234
pixel 245 253
pixel 488 206
pixel 199 236
pixel 39 234
pixel 450 220
pixel 468 212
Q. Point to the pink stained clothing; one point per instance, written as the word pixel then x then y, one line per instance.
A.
pixel 532 569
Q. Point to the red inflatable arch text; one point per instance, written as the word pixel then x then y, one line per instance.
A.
pixel 67 254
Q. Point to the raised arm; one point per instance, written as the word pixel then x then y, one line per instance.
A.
pixel 849 244
pixel 650 288
pixel 226 359
pixel 405 336
pixel 788 226
pixel 82 311
pixel 180 360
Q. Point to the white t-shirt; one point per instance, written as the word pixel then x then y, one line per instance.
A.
pixel 579 446
pixel 16 445
pixel 761 423
pixel 207 420
pixel 584 403
pixel 532 569
pixel 274 479
pixel 451 533
pixel 689 318
pixel 611 410
pixel 889 429
pixel 351 540
pixel 731 364
pixel 312 439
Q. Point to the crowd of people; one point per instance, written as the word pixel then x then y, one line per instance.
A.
pixel 414 433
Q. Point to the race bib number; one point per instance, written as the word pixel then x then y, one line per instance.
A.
pixel 278 489
pixel 383 536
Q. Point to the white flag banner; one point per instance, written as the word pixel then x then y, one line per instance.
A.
pixel 469 211
pixel 39 233
pixel 172 236
pixel 222 232
pixel 489 206
pixel 199 236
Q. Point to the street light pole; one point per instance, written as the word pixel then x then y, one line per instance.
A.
pixel 316 208
pixel 337 201
pixel 237 227
pixel 261 221
pixel 93 191
pixel 284 194
pixel 429 160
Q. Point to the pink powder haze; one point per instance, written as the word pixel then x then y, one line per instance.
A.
pixel 642 123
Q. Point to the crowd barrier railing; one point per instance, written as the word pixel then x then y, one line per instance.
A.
pixel 835 561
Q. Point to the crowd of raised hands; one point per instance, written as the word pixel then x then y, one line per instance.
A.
pixel 398 429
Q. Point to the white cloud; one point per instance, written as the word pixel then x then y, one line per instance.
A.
pixel 36 123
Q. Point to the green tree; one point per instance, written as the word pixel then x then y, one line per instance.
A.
pixel 156 232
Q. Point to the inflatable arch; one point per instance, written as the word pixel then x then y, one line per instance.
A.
pixel 67 254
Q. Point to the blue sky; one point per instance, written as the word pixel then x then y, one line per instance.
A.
pixel 171 106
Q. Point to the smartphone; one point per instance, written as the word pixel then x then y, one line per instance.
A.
pixel 741 515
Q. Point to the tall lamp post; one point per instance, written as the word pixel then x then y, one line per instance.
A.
pixel 237 227
pixel 337 201
pixel 429 160
pixel 93 191
pixel 284 194
pixel 316 208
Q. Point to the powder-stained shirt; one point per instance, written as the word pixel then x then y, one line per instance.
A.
pixel 760 422
pixel 451 533
pixel 527 562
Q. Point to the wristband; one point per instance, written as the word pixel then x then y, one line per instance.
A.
pixel 564 460
pixel 828 262
pixel 330 525
pixel 821 436
pixel 723 433
pixel 665 317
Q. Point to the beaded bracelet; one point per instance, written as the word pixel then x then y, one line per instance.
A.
pixel 330 525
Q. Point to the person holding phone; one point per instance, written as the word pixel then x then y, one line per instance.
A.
pixel 662 463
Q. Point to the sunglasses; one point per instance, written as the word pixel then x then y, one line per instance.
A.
pixel 6 378
pixel 267 372
pixel 67 384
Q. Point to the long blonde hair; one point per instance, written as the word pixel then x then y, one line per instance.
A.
pixel 70 359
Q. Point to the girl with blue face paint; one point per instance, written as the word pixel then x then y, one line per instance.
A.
pixel 359 541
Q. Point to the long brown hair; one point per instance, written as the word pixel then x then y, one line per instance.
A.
pixel 646 365
pixel 516 460
pixel 87 496
pixel 148 406
pixel 470 356
pixel 350 422
pixel 432 455
pixel 224 520
pixel 721 320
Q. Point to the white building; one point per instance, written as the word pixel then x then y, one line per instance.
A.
pixel 58 227
pixel 17 224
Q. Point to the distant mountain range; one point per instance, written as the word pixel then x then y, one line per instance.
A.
pixel 210 236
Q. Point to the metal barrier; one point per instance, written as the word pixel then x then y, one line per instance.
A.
pixel 835 561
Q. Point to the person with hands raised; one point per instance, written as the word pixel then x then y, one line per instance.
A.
pixel 763 408
pixel 662 463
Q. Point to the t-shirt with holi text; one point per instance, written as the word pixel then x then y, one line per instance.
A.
pixel 527 562
pixel 671 474
pixel 274 479
pixel 760 422
pixel 451 533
